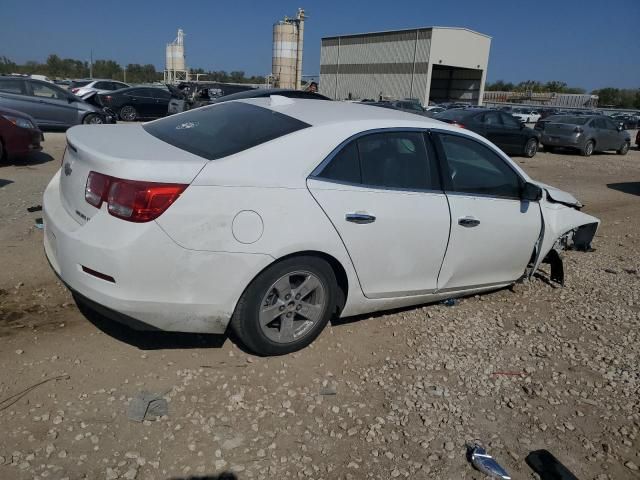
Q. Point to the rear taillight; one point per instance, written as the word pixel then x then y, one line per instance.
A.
pixel 105 98
pixel 131 200
pixel 458 124
pixel 74 90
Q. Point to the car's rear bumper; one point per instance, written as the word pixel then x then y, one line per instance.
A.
pixel 553 140
pixel 152 279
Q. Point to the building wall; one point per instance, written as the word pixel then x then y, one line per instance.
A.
pixel 392 64
pixel 405 64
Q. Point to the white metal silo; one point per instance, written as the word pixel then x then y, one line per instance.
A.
pixel 176 66
pixel 286 66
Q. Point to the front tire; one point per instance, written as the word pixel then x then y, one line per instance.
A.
pixel 531 148
pixel 624 149
pixel 286 307
pixel 93 119
pixel 588 149
pixel 128 114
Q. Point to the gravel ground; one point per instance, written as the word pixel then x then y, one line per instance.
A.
pixel 395 395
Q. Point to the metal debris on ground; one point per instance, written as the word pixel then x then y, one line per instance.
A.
pixel 35 208
pixel 485 463
pixel 147 405
pixel 39 223
pixel 450 302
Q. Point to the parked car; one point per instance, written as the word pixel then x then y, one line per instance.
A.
pixel 627 121
pixel 48 104
pixel 586 133
pixel 177 105
pixel 498 126
pixel 98 86
pixel 526 115
pixel 272 215
pixel 431 111
pixel 188 95
pixel 409 107
pixel 134 103
pixel 19 134
pixel 42 78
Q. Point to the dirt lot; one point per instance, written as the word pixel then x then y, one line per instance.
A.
pixel 394 395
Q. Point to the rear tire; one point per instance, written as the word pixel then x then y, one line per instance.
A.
pixel 549 149
pixel 128 114
pixel 93 119
pixel 588 149
pixel 622 151
pixel 286 306
pixel 531 148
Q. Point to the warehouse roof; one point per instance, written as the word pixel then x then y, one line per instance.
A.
pixel 404 30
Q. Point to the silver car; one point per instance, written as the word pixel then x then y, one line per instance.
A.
pixel 48 104
pixel 588 134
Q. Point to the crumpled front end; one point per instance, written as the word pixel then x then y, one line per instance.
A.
pixel 564 227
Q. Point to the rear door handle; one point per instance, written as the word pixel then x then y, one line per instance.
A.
pixel 468 222
pixel 360 218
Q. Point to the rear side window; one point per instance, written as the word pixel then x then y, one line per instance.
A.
pixel 454 114
pixel 385 160
pixel 11 85
pixel 217 131
pixel 475 169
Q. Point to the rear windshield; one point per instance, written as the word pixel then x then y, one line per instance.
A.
pixel 80 83
pixel 570 120
pixel 453 114
pixel 221 130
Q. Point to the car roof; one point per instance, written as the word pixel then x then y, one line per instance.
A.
pixel 266 92
pixel 316 113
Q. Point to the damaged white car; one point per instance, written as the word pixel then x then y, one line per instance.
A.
pixel 271 215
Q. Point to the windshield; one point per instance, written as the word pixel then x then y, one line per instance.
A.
pixel 221 130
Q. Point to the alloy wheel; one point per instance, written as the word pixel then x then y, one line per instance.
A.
pixel 292 306
pixel 96 120
pixel 531 148
pixel 128 113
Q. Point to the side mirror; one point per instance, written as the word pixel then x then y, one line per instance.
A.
pixel 71 99
pixel 531 192
pixel 620 128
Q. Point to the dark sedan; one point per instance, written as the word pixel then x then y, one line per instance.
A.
pixel 499 127
pixel 19 134
pixel 135 103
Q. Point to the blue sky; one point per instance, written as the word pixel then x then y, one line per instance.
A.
pixel 588 43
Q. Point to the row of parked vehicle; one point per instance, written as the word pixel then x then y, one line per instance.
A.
pixel 586 132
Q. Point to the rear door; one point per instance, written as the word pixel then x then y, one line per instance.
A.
pixel 51 104
pixel 513 132
pixel 616 138
pixel 493 232
pixel 161 103
pixel 382 193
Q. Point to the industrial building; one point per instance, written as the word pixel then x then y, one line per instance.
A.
pixel 175 69
pixel 432 63
pixel 288 39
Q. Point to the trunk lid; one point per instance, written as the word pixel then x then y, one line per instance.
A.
pixel 559 128
pixel 122 151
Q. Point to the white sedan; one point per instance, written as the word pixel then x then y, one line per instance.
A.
pixel 526 115
pixel 272 215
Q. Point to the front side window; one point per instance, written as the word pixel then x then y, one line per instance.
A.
pixel 509 121
pixel 223 129
pixel 44 91
pixel 102 85
pixel 475 169
pixel 385 160
pixel 492 118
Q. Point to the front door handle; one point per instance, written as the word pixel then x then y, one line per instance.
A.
pixel 360 218
pixel 468 222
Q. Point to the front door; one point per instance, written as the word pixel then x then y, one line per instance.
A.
pixel 493 232
pixel 50 105
pixel 382 193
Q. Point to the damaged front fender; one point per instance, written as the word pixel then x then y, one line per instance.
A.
pixel 563 227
